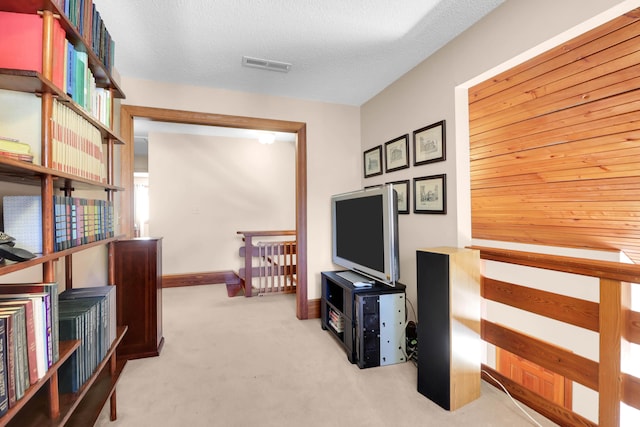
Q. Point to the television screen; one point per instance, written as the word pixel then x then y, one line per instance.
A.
pixel 360 238
pixel 365 232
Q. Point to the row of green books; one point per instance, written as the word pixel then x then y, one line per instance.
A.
pixel 87 315
pixel 29 337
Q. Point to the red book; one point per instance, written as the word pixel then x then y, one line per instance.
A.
pixel 21 44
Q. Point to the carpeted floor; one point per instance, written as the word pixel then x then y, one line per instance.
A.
pixel 249 362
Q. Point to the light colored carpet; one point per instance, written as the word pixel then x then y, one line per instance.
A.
pixel 249 362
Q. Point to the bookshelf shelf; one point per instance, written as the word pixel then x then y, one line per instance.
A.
pixel 33 82
pixel 26 173
pixel 88 142
pixel 66 350
pixel 7 267
pixel 77 408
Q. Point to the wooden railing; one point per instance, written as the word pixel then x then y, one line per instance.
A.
pixel 269 262
pixel 611 318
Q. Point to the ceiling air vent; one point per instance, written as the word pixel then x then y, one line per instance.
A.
pixel 266 64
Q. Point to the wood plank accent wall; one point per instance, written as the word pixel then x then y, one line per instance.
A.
pixel 555 145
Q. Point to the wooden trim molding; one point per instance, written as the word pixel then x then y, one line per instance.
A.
pixel 196 279
pixel 313 309
pixel 129 112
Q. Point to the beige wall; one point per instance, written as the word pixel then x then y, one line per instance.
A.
pixel 203 189
pixel 333 150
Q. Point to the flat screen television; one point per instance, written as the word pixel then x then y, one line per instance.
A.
pixel 365 233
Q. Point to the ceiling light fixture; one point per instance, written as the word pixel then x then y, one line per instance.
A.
pixel 267 138
pixel 266 64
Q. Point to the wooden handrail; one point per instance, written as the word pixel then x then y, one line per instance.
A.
pixel 629 273
pixel 268 233
pixel 611 317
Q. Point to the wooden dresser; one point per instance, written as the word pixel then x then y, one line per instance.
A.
pixel 138 277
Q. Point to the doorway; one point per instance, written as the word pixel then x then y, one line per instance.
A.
pixel 127 115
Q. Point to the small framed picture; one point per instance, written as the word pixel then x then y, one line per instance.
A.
pixel 402 189
pixel 429 144
pixel 430 194
pixel 373 162
pixel 397 153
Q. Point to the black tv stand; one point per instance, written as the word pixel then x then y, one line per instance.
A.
pixel 368 321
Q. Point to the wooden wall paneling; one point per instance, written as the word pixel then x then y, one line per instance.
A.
pixel 554 145
pixel 586 117
pixel 502 160
pixel 505 79
pixel 592 85
pixel 575 67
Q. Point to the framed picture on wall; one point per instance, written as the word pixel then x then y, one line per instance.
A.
pixel 429 144
pixel 373 162
pixel 402 189
pixel 430 194
pixel 397 153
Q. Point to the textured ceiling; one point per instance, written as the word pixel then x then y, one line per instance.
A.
pixel 342 51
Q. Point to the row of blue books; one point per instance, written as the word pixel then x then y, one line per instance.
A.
pixel 87 20
pixel 80 221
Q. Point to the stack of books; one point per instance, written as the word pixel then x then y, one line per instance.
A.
pixel 28 337
pixel 336 321
pixel 88 315
pixel 14 149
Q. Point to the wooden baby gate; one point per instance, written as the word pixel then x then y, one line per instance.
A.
pixel 269 263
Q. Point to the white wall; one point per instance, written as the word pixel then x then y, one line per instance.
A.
pixel 204 189
pixel 333 150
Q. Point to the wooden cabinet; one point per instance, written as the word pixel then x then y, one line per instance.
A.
pixel 138 278
pixel 449 347
pixel 42 403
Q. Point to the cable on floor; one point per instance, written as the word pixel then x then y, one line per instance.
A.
pixel 512 399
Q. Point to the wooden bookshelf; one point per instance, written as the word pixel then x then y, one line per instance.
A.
pixel 81 408
pixel 42 403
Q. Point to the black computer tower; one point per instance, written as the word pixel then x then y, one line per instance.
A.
pixel 379 329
